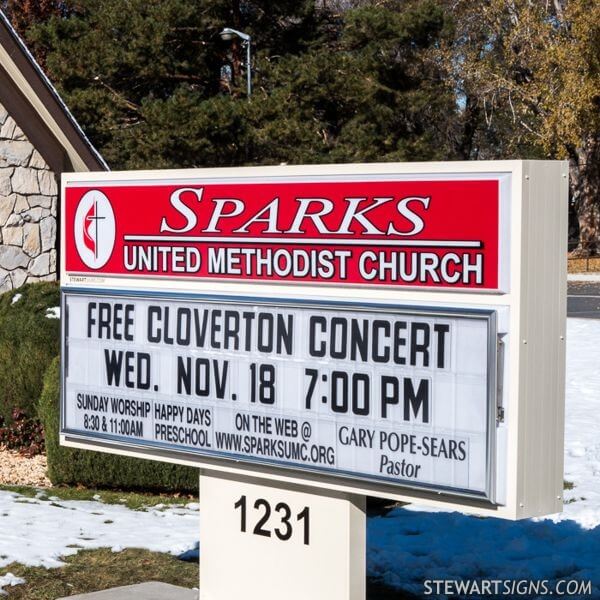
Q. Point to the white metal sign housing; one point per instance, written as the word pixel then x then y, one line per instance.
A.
pixel 394 330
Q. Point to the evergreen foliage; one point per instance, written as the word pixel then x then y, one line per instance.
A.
pixel 154 85
pixel 67 466
pixel 29 340
pixel 145 80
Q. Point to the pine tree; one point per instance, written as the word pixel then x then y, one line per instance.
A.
pixel 145 78
pixel 26 13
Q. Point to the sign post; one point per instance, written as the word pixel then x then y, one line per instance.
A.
pixel 284 540
pixel 308 336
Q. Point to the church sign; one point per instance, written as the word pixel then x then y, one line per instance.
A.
pixel 430 233
pixel 368 328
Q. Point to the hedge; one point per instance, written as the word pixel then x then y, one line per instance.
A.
pixel 69 466
pixel 29 340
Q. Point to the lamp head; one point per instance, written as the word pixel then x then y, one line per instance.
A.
pixel 227 34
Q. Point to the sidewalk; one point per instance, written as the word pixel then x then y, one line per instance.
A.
pixel 150 590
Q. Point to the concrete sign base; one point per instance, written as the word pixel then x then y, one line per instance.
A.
pixel 270 541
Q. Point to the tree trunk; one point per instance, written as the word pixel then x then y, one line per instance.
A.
pixel 470 125
pixel 236 45
pixel 584 166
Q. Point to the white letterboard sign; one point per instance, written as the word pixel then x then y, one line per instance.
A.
pixel 375 392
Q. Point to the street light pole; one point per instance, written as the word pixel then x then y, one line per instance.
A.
pixel 227 35
pixel 248 68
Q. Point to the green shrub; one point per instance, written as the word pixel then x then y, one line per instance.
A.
pixel 29 340
pixel 98 469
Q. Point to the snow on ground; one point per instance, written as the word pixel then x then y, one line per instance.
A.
pixel 405 547
pixel 582 423
pixel 9 579
pixel 583 277
pixel 37 532
pixel 409 546
pixel 53 312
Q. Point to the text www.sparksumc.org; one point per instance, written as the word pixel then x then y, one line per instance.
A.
pixel 471 588
pixel 279 449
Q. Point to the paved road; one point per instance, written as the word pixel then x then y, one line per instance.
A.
pixel 583 299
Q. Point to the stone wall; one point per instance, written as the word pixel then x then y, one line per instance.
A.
pixel 28 210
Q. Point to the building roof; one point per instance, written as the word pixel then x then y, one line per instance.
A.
pixel 36 106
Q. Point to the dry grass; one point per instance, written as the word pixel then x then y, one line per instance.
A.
pixel 132 500
pixel 95 570
pixel 583 265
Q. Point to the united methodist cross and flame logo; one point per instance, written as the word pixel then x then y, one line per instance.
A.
pixel 90 228
pixel 94 229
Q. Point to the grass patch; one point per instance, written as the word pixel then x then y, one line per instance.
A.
pixel 95 570
pixel 99 470
pixel 583 265
pixel 568 485
pixel 132 500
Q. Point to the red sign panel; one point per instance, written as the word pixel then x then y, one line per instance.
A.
pixel 439 233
